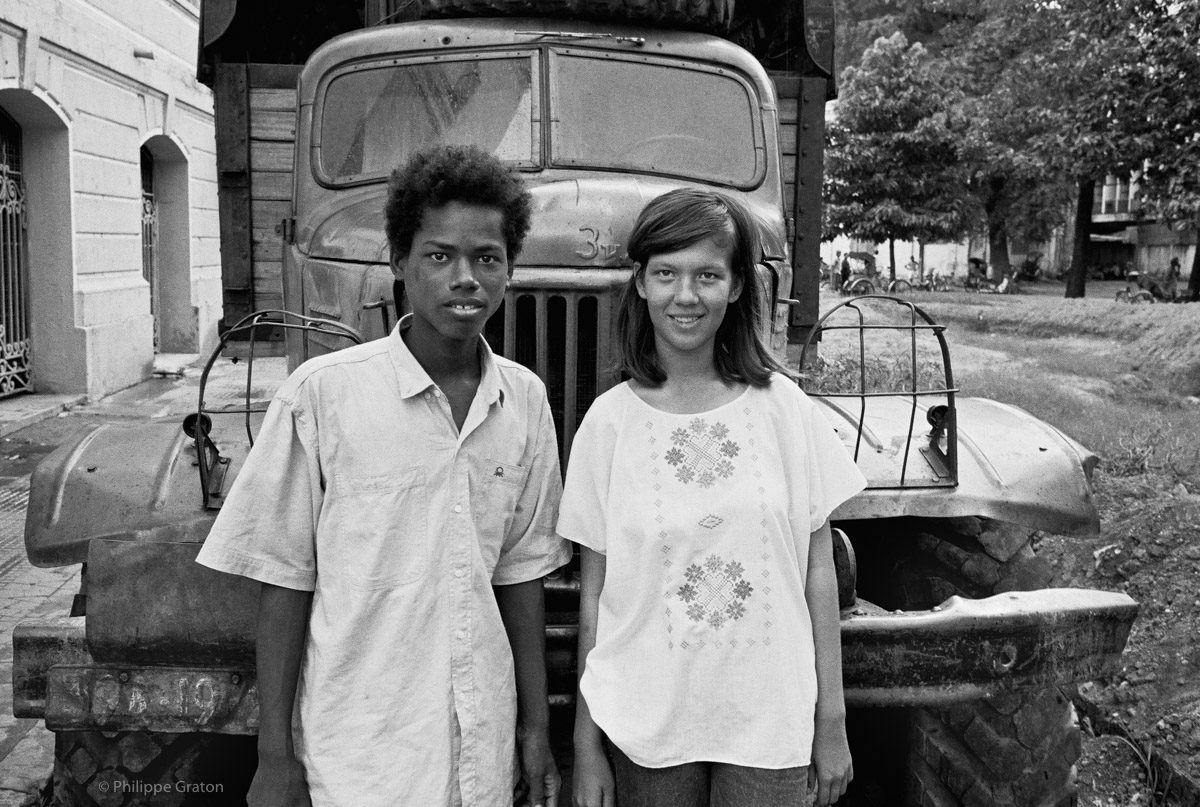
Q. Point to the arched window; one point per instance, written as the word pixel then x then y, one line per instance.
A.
pixel 15 360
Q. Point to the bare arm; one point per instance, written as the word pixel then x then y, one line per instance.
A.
pixel 523 610
pixel 282 628
pixel 832 769
pixel 593 776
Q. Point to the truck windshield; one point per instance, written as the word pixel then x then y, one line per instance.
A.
pixel 609 113
pixel 373 118
pixel 665 118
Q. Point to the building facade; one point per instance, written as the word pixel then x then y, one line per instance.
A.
pixel 109 227
pixel 1123 235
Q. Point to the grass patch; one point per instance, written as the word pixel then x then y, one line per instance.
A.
pixel 1154 445
pixel 1130 438
pixel 846 374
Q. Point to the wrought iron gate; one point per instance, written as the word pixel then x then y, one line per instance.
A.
pixel 16 371
pixel 150 238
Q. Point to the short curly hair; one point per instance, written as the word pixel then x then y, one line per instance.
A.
pixel 442 174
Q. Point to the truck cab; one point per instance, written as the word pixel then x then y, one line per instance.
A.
pixel 598 120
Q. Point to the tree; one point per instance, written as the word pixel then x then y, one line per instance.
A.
pixel 1122 96
pixel 892 168
pixel 1059 93
pixel 987 49
pixel 1164 129
pixel 979 48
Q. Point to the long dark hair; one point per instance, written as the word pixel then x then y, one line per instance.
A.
pixel 677 220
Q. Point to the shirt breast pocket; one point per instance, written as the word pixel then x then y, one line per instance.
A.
pixel 495 492
pixel 380 525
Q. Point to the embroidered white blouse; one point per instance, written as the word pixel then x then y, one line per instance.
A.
pixel 704 647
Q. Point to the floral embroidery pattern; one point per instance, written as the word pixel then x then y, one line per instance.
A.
pixel 715 591
pixel 702 453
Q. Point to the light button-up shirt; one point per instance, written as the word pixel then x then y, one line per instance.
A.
pixel 361 489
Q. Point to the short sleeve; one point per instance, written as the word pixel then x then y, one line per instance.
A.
pixel 266 529
pixel 833 477
pixel 531 549
pixel 583 514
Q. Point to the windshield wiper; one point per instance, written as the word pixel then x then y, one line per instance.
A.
pixel 633 40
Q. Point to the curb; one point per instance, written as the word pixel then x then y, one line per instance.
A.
pixel 51 408
pixel 1178 788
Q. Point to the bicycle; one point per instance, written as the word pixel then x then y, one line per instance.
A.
pixel 927 283
pixel 1139 296
pixel 858 285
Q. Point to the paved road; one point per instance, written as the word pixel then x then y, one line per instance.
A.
pixel 26 592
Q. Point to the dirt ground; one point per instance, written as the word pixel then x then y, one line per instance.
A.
pixel 1124 381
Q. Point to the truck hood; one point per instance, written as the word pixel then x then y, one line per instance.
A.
pixel 1011 466
pixel 576 223
pixel 137 482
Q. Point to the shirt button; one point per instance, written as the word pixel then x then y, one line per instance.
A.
pixel 458 572
pixel 462 634
pixel 458 508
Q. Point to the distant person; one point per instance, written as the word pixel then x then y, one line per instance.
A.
pixel 1135 281
pixel 1170 286
pixel 1031 269
pixel 845 269
pixel 976 272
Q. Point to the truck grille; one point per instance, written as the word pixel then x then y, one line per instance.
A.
pixel 565 336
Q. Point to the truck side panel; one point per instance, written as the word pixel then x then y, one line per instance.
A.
pixel 272 141
pixel 787 91
pixel 256 137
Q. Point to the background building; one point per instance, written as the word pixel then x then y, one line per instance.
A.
pixel 1122 234
pixel 108 205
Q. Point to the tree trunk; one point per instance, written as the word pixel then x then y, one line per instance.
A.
pixel 922 247
pixel 998 247
pixel 1193 287
pixel 996 229
pixel 892 259
pixel 1077 274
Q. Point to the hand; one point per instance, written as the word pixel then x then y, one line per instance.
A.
pixel 538 770
pixel 831 770
pixel 279 782
pixel 593 778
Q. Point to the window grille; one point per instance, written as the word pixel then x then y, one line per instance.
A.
pixel 16 371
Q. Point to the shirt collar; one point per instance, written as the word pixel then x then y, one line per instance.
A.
pixel 414 380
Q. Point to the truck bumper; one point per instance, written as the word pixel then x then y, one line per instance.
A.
pixel 55 678
pixel 963 650
pixel 969 649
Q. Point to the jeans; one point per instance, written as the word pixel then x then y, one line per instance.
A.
pixel 706 784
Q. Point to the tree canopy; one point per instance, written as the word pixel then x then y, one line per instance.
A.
pixel 1057 94
pixel 892 166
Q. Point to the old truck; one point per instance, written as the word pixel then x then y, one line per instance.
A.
pixel 957 656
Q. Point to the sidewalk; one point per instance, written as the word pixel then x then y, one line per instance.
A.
pixel 173 389
pixel 26 592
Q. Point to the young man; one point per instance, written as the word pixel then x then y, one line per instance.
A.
pixel 398 508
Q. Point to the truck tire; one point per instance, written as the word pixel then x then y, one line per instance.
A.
pixel 715 16
pixel 136 768
pixel 1015 749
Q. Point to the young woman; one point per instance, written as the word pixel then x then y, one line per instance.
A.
pixel 700 491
